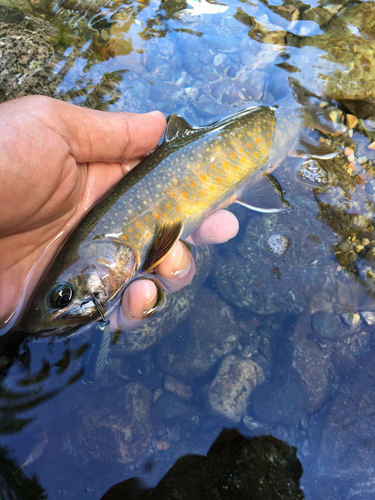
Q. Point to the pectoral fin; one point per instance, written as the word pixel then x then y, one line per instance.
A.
pixel 265 195
pixel 164 241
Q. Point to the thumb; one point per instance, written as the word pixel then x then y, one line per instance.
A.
pixel 100 135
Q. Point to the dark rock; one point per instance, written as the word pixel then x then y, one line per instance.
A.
pixel 280 402
pixel 261 468
pixel 328 326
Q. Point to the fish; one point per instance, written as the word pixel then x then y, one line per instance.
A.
pixel 195 171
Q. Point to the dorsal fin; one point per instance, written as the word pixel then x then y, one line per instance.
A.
pixel 177 127
pixel 166 238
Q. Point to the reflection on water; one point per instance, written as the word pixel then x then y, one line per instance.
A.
pixel 282 342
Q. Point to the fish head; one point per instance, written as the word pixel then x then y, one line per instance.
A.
pixel 82 291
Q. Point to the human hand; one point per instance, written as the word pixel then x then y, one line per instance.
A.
pixel 56 160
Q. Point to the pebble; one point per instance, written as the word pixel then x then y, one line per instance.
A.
pixel 369 317
pixel 278 244
pixel 176 386
pixel 362 160
pixel 351 319
pixel 351 121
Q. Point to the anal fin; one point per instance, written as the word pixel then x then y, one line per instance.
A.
pixel 166 238
pixel 265 195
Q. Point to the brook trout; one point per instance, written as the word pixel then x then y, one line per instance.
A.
pixel 192 173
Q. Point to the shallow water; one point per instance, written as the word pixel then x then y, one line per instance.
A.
pixel 296 316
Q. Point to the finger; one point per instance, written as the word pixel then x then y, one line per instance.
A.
pixel 139 297
pixel 219 227
pixel 177 269
pixel 99 135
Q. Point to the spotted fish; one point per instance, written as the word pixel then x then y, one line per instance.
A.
pixel 192 173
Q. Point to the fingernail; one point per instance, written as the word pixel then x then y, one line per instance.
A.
pixel 155 113
pixel 156 305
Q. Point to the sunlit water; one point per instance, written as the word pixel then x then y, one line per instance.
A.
pixel 292 293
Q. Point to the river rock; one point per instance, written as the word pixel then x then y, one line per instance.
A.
pixel 328 326
pixel 280 402
pixel 210 334
pixel 313 364
pixel 119 431
pixel 230 391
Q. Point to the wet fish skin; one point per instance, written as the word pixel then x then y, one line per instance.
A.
pixel 187 178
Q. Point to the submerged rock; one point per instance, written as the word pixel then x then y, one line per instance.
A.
pixel 119 430
pixel 280 402
pixel 313 364
pixel 230 391
pixel 347 453
pixel 211 333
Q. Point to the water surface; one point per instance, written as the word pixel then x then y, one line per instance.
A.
pixel 290 300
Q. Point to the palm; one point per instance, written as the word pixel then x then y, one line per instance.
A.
pixel 47 184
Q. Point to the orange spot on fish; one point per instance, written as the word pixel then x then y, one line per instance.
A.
pixel 198 165
pixel 257 140
pixel 156 215
pixel 243 160
pixel 279 132
pixel 249 134
pixel 178 208
pixel 270 143
pixel 171 194
pixel 249 145
pixel 211 187
pixel 201 193
pixel 185 195
pixel 138 224
pixel 130 229
pixel 203 178
pixel 256 154
pixel 232 155
pixel 268 134
pixel 193 185
pixel 240 150
pixel 147 218
pixel 123 237
pixel 226 165
pixel 219 180
pixel 138 236
pixel 264 151
pixel 212 166
pixel 168 205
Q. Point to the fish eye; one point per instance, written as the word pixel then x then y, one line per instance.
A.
pixel 62 295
